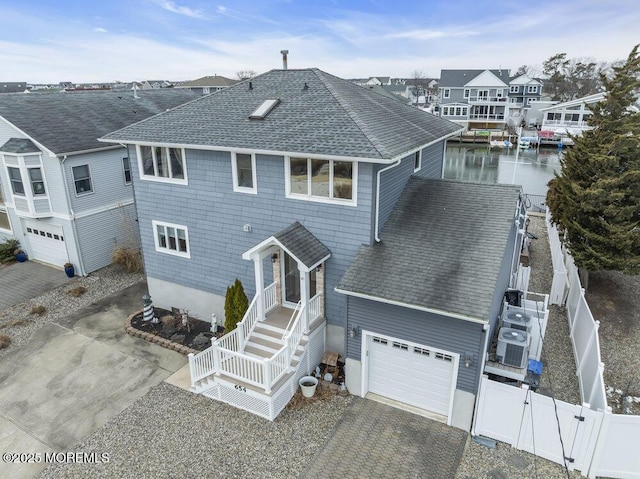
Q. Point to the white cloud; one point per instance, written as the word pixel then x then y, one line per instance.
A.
pixel 181 10
pixel 100 30
pixel 432 34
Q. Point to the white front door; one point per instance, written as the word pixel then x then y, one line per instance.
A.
pixel 411 373
pixel 46 243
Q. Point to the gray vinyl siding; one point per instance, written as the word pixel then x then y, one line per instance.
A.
pixel 55 182
pixel 107 180
pixel 456 96
pixel 100 233
pixel 393 181
pixel 449 334
pixel 432 161
pixel 214 215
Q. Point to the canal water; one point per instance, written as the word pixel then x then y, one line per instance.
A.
pixel 476 163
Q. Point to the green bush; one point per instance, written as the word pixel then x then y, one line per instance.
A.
pixel 236 304
pixel 7 248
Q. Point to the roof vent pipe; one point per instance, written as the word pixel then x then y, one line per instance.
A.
pixel 284 58
pixel 250 86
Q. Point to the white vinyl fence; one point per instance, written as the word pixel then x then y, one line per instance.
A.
pixel 594 440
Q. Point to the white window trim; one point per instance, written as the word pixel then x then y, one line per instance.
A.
pixel 467 92
pixel 24 186
pixel 160 249
pixel 513 89
pixel 124 172
pixel 3 209
pixel 321 199
pixel 161 179
pixel 73 177
pixel 446 92
pixel 532 89
pixel 234 172
pixel 419 153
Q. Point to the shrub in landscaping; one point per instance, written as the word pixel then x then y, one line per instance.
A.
pixel 7 250
pixel 129 258
pixel 236 304
pixel 39 310
pixel 77 291
pixel 5 341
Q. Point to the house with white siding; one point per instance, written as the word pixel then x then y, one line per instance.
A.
pixel 326 200
pixel 65 196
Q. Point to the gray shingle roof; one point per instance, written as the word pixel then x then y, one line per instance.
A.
pixel 330 116
pixel 19 145
pixel 459 78
pixel 210 81
pixel 442 248
pixel 69 122
pixel 302 244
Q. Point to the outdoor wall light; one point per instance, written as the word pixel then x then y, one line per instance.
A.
pixel 274 257
pixel 467 360
pixel 354 331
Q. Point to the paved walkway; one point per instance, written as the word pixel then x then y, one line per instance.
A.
pixel 377 440
pixel 22 281
pixel 73 376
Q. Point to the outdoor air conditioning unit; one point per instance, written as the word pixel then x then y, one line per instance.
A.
pixel 517 320
pixel 513 347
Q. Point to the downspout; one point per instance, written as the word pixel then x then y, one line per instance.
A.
pixel 72 218
pixel 485 329
pixel 392 165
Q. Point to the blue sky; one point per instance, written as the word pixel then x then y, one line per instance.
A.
pixel 89 41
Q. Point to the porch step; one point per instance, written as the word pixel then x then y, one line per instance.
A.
pixel 270 329
pixel 267 343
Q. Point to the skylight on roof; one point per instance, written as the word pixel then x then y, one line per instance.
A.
pixel 263 110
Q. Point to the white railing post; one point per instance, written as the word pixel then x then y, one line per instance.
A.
pixel 217 359
pixel 259 275
pixel 191 365
pixel 267 375
pixel 241 338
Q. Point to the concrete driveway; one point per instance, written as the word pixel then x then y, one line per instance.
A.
pixel 22 281
pixel 73 376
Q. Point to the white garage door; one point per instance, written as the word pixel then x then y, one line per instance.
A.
pixel 411 373
pixel 46 243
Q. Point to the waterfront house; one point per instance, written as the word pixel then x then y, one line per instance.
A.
pixel 325 199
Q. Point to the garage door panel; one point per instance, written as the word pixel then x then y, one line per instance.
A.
pixel 46 243
pixel 409 373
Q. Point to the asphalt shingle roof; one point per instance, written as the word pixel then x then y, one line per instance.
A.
pixel 459 78
pixel 441 248
pixel 329 116
pixel 19 145
pixel 71 122
pixel 302 244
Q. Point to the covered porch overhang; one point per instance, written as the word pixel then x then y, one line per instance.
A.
pixel 297 258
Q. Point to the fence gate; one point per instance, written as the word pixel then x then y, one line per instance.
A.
pixel 527 420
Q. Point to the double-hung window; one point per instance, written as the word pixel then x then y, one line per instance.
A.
pixel 446 93
pixel 171 238
pixel 37 182
pixel 82 180
pixel 16 180
pixel 513 89
pixel 126 167
pixel 532 89
pixel 162 163
pixel 331 181
pixel 417 161
pixel 244 172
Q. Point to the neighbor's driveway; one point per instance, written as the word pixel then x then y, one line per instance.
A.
pixel 73 376
pixel 22 281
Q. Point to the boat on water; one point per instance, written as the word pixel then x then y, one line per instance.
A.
pixel 500 144
pixel 524 143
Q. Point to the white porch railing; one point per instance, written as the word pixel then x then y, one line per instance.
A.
pixel 270 297
pixel 225 356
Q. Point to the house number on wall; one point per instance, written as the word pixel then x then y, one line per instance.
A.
pixel 240 388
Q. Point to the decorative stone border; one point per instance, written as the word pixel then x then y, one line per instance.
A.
pixel 154 338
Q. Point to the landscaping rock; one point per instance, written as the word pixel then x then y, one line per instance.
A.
pixel 200 340
pixel 178 338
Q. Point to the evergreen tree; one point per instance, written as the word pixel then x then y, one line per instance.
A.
pixel 236 304
pixel 596 197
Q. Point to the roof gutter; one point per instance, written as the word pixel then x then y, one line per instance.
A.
pixel 463 317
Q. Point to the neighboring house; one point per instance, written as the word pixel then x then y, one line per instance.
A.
pixel 65 196
pixel 475 99
pixel 524 91
pixel 569 116
pixel 299 184
pixel 13 87
pixel 208 84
